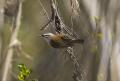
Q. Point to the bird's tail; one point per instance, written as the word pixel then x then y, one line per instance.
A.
pixel 78 41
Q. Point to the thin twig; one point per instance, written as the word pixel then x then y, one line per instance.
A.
pixel 19 50
pixel 46 15
pixel 64 27
pixel 8 61
pixel 77 75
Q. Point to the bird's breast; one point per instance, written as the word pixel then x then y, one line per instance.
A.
pixel 55 44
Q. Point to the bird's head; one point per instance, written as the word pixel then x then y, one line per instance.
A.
pixel 47 35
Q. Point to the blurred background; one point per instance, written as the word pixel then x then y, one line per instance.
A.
pixel 96 21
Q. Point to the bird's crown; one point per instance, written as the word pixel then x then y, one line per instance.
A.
pixel 47 35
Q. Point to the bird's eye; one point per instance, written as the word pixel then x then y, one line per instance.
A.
pixel 46 35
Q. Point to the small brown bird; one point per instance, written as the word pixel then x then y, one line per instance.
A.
pixel 61 41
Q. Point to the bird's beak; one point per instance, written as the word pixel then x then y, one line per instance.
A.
pixel 41 35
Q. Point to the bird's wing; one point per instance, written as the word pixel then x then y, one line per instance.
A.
pixel 61 41
pixel 66 38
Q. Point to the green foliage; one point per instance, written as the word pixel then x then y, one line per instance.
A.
pixel 24 73
pixel 94 49
pixel 97 20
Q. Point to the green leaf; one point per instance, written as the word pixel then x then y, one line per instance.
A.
pixel 24 72
pixel 21 77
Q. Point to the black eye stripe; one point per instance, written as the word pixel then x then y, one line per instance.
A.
pixel 46 35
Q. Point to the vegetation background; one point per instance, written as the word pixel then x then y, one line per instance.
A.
pixel 97 21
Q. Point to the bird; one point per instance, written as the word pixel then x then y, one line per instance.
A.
pixel 61 40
